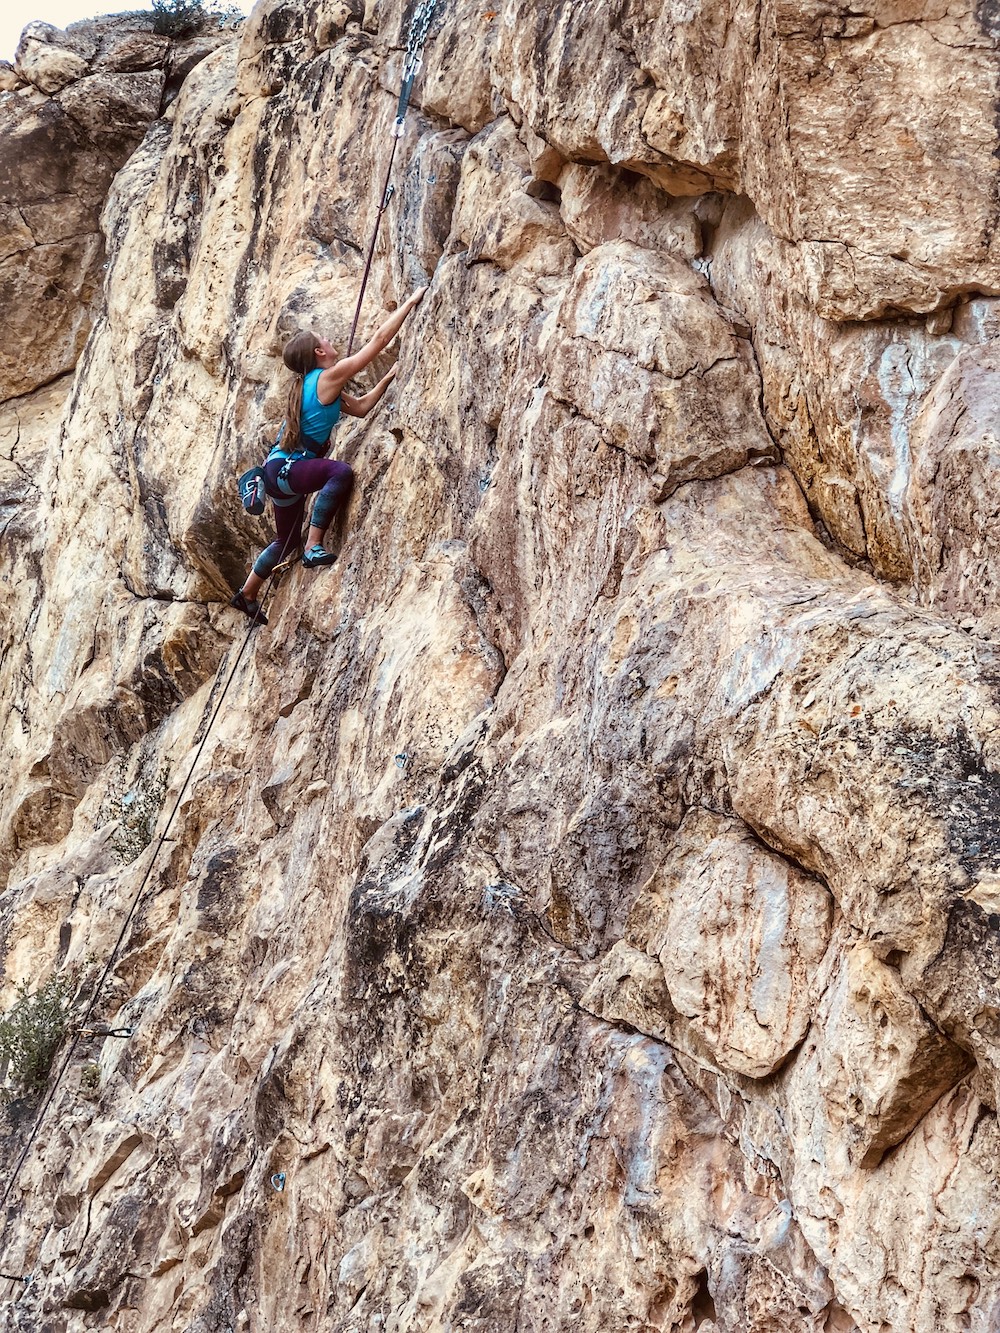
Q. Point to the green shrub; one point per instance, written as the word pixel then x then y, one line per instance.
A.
pixel 31 1032
pixel 180 18
pixel 90 1079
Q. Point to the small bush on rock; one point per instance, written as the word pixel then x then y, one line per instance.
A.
pixel 31 1032
pixel 136 810
pixel 90 1079
pixel 180 18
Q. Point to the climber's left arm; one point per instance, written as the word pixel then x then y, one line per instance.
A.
pixel 360 407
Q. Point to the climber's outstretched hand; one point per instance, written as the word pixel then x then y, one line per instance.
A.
pixel 333 380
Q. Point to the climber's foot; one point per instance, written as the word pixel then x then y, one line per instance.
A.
pixel 317 556
pixel 250 609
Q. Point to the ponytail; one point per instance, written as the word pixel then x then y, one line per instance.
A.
pixel 299 355
pixel 293 411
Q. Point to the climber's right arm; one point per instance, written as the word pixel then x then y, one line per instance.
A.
pixel 332 381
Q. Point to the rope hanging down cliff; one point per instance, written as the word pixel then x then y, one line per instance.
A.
pixel 419 29
pixel 82 1027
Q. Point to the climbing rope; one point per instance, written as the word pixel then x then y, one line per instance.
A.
pixel 82 1028
pixel 419 29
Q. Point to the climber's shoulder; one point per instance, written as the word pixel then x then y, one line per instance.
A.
pixel 332 381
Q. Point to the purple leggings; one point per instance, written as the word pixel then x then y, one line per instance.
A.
pixel 331 478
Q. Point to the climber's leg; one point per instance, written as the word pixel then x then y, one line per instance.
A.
pixel 287 540
pixel 334 481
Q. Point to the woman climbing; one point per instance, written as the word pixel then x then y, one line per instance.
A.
pixel 298 468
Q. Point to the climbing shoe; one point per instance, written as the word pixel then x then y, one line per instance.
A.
pixel 250 609
pixel 252 491
pixel 317 556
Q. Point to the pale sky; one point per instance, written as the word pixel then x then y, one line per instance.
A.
pixel 14 17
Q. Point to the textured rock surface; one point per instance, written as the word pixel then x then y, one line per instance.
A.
pixel 585 911
pixel 75 106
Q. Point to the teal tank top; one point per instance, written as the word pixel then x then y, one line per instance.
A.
pixel 318 419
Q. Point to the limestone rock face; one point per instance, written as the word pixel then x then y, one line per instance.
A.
pixel 579 907
pixel 845 127
pixel 722 897
pixel 74 108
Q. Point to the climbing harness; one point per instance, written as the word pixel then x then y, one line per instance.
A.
pixel 253 484
pixel 282 480
pixel 250 488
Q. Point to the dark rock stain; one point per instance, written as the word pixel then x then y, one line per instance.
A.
pixel 961 791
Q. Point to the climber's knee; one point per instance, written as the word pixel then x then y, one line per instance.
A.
pixel 333 495
pixel 266 561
